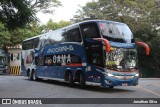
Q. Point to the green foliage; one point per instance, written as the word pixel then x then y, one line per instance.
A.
pixel 45 6
pixel 15 13
pixel 11 38
pixel 54 25
pixel 4 36
pixel 14 37
pixel 18 21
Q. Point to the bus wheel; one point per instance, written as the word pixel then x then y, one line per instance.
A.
pixel 30 75
pixel 82 80
pixel 35 78
pixel 34 75
pixel 70 79
pixel 111 86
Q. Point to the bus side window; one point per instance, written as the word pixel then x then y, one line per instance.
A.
pixel 51 39
pixel 41 61
pixel 73 35
pixel 24 45
pixel 36 60
pixel 58 37
pixel 36 42
pixel 48 61
pixel 90 30
pixel 76 59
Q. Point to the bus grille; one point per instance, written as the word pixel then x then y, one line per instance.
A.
pixel 124 77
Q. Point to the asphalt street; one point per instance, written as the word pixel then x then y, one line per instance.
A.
pixel 21 87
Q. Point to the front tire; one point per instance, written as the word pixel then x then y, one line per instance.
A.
pixel 35 78
pixel 82 81
pixel 111 87
pixel 70 79
pixel 30 76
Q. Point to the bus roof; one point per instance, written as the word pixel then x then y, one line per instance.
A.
pixel 69 26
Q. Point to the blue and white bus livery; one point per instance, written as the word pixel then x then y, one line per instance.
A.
pixel 96 51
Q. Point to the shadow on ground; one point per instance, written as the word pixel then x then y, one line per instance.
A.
pixel 88 87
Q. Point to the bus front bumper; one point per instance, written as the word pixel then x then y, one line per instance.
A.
pixel 3 71
pixel 120 81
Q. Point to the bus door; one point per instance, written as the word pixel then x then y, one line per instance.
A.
pixel 94 49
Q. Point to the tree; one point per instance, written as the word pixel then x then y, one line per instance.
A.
pixel 15 13
pixel 54 25
pixel 45 6
pixel 18 20
pixel 14 37
pixel 116 10
pixel 9 38
pixel 4 35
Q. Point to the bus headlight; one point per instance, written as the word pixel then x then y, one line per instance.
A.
pixel 136 75
pixel 110 75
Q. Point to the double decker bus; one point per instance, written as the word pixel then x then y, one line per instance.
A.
pixel 96 51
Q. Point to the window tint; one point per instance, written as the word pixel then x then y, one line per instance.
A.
pixel 52 38
pixel 58 37
pixel 116 32
pixel 30 44
pixel 41 61
pixel 48 61
pixel 36 42
pixel 73 35
pixel 37 60
pixel 89 30
pixel 61 59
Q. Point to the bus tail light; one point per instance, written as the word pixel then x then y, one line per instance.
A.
pixel 90 77
pixel 106 42
pixel 98 77
pixel 145 46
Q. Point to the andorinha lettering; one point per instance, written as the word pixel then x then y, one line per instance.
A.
pixel 121 44
pixel 60 49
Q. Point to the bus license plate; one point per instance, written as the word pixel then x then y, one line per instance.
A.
pixel 124 84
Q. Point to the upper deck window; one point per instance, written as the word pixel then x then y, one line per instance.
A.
pixel 73 35
pixel 89 30
pixel 117 32
pixel 30 44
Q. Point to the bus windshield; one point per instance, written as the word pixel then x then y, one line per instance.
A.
pixel 121 59
pixel 117 32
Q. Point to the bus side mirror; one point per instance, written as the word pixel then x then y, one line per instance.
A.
pixel 145 46
pixel 106 42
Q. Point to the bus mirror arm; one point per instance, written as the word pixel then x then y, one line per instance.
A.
pixel 106 42
pixel 145 46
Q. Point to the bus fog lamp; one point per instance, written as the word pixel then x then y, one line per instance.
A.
pixel 108 82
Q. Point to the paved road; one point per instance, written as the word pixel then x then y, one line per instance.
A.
pixel 21 87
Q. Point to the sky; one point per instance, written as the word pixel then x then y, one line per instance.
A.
pixel 64 12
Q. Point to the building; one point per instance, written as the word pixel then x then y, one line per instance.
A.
pixel 14 65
